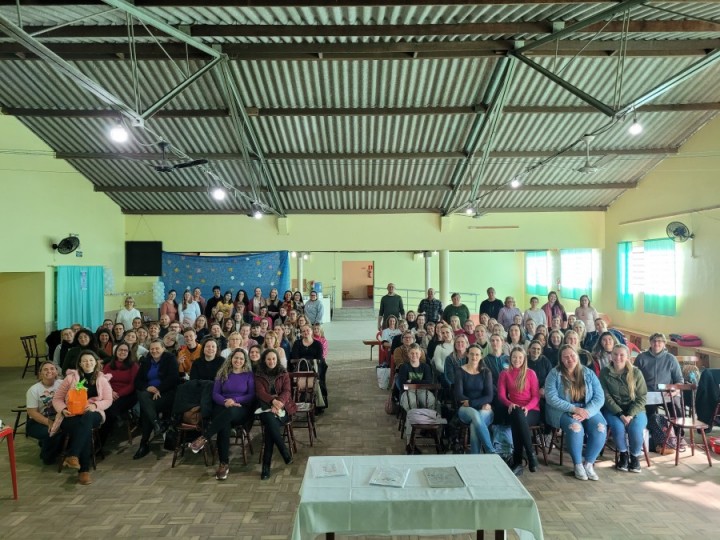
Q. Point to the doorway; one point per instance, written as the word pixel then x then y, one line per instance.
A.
pixel 358 279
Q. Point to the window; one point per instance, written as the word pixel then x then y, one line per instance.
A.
pixel 625 300
pixel 647 268
pixel 576 272
pixel 659 284
pixel 537 275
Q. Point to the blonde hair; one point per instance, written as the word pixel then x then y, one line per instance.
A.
pixel 575 386
pixel 629 372
pixel 522 377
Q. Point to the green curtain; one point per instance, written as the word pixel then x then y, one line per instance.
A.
pixel 536 279
pixel 625 300
pixel 80 296
pixel 660 277
pixel 576 272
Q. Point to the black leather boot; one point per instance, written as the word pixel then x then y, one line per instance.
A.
pixel 265 474
pixel 533 462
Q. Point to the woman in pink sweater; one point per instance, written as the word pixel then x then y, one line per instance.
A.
pixel 518 390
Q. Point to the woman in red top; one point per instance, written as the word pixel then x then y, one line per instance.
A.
pixel 272 388
pixel 123 371
pixel 518 390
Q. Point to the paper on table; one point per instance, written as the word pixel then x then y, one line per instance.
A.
pixel 389 476
pixel 332 467
pixel 443 477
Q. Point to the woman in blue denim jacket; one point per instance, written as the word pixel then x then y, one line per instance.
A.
pixel 574 397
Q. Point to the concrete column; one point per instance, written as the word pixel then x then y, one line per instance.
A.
pixel 300 272
pixel 428 260
pixel 445 277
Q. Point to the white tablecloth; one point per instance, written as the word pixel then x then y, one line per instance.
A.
pixel 493 498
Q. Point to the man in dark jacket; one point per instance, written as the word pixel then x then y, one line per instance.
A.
pixel 492 305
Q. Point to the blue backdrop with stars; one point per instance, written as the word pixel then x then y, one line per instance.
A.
pixel 265 270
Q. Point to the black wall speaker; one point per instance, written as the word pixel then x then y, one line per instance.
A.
pixel 143 258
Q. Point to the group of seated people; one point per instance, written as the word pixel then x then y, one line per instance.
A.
pixel 525 375
pixel 165 368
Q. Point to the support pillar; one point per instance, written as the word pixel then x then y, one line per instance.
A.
pixel 428 259
pixel 445 277
pixel 300 272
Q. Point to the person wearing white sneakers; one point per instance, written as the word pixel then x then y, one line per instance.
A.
pixel 574 397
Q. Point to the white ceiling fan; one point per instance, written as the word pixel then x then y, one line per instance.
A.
pixel 599 164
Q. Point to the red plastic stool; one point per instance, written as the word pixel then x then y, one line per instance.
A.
pixel 7 433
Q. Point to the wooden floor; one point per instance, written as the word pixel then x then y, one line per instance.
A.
pixel 148 499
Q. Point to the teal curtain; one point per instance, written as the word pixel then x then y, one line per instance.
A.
pixel 625 300
pixel 80 296
pixel 576 272
pixel 536 278
pixel 660 277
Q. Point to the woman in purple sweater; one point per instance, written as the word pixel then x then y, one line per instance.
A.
pixel 234 397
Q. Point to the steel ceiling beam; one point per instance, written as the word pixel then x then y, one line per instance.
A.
pixel 370 51
pixel 156 107
pixel 350 111
pixel 237 108
pixel 492 103
pixel 390 156
pixel 315 212
pixel 679 78
pixel 377 30
pixel 370 188
pixel 293 3
pixel 68 70
pixel 574 90
pixel 152 20
pixel 605 14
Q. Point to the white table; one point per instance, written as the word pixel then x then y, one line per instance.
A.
pixel 492 499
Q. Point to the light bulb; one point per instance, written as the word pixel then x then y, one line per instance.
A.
pixel 305 257
pixel 469 211
pixel 515 183
pixel 119 134
pixel 257 214
pixel 218 193
pixel 635 128
pixel 293 254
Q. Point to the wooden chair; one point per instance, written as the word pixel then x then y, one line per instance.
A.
pixel 538 441
pixel 132 422
pixel 19 422
pixel 184 434
pixel 289 436
pixel 242 439
pixel 689 423
pixel 30 347
pixel 402 413
pixel 304 384
pixel 95 449
pixel 610 445
pixel 422 430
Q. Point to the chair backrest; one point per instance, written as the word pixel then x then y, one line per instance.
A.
pixel 415 387
pixel 29 344
pixel 680 390
pixel 303 386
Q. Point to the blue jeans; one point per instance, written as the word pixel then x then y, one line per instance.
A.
pixel 479 422
pixel 594 427
pixel 633 431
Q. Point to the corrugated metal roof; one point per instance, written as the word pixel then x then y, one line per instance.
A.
pixel 339 182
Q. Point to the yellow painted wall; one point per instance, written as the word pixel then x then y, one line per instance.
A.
pixel 44 199
pixel 24 292
pixel 680 185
